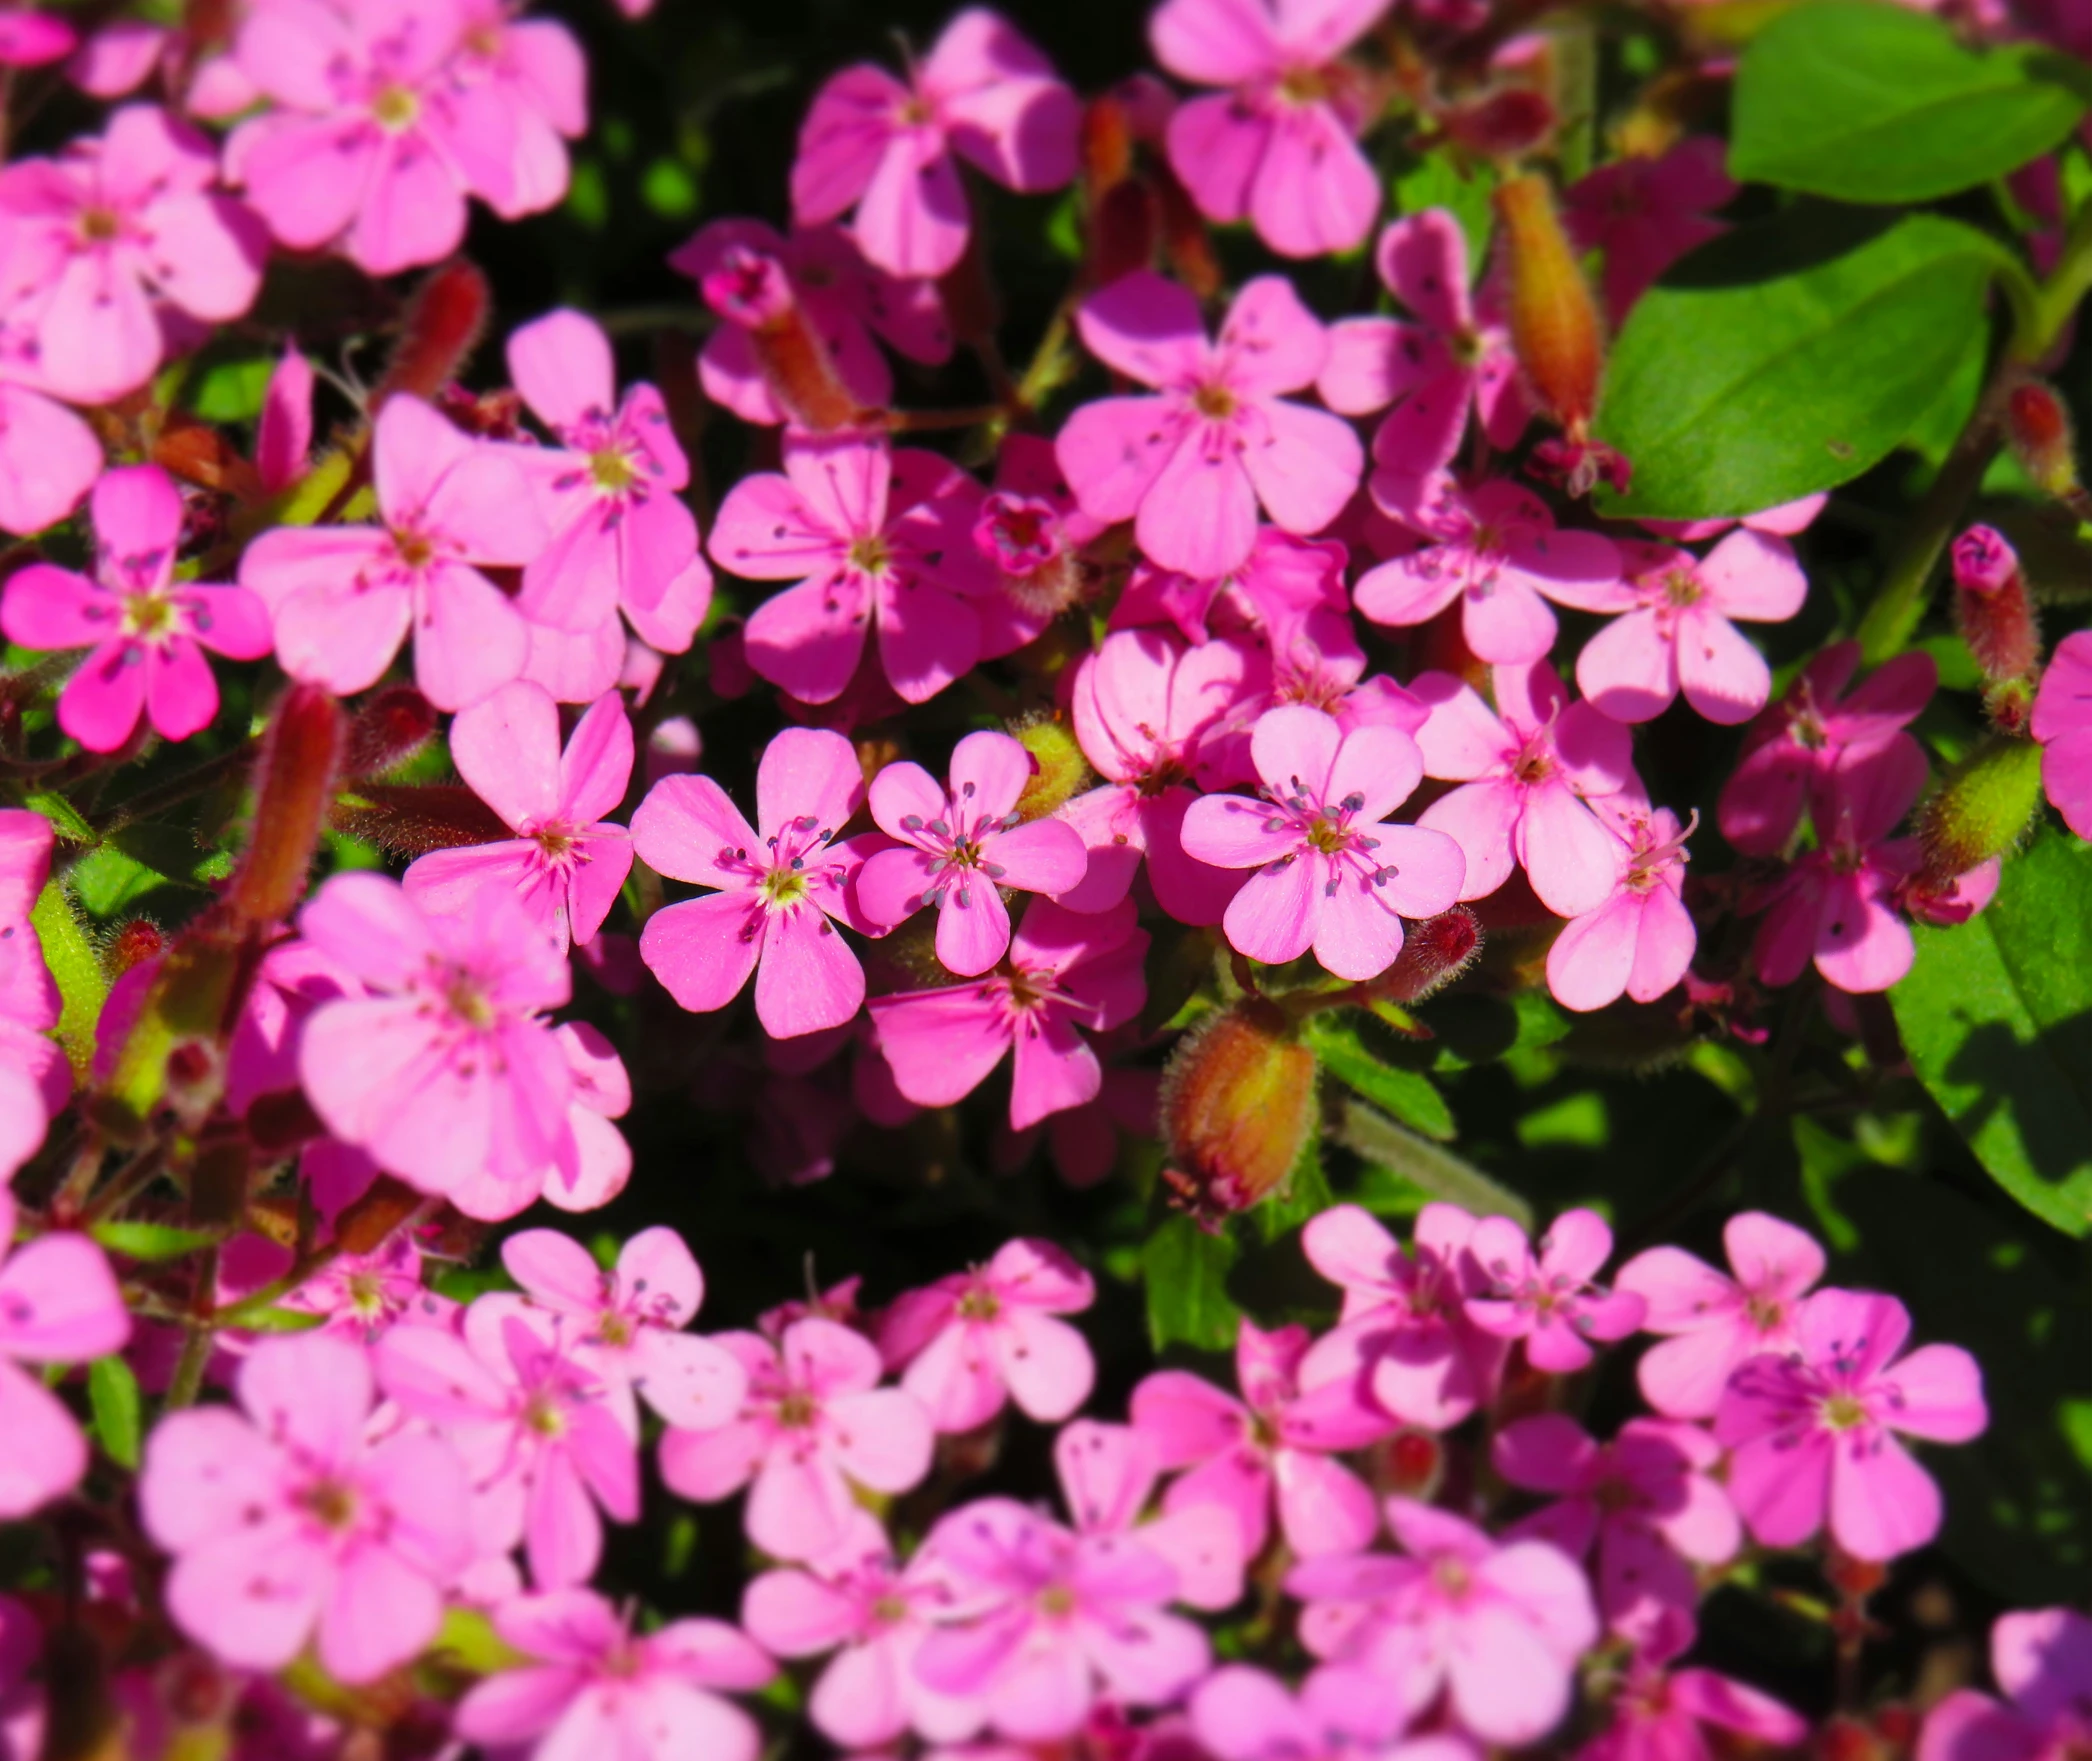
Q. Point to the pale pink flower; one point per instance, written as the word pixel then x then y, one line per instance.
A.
pixel 543 1441
pixel 363 1295
pixel 1280 144
pixel 1530 770
pixel 300 1513
pixel 1108 1474
pixel 1053 1620
pixel 1066 971
pixel 2063 725
pixel 880 543
pixel 1644 214
pixel 1285 581
pixel 1550 1298
pixel 960 845
pixel 1714 1321
pixel 1675 632
pixel 590 1686
pixel 35 1078
pixel 589 1175
pixel 2042 1659
pixel 519 84
pixel 1342 1714
pixel 970 1342
pixel 146 632
pixel 1190 465
pixel 49 457
pixel 1331 873
pixel 345 597
pixel 781 890
pixel 565 864
pixel 983 93
pixel 1658 1713
pixel 1497 551
pixel 1273 1443
pixel 1499 1627
pixel 1813 1432
pixel 447 1068
pixel 1640 940
pixel 816 1423
pixel 93 238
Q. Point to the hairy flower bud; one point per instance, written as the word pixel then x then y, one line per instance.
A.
pixel 301 757
pixel 389 729
pixel 1981 810
pixel 132 944
pixel 444 323
pixel 1238 1101
pixel 1554 319
pixel 1991 607
pixel 1059 770
pixel 1434 953
pixel 751 288
pixel 2038 429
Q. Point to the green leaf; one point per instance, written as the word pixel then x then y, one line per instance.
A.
pixel 1996 1016
pixel 152 1241
pixel 232 391
pixel 1186 1270
pixel 76 968
pixel 1436 181
pixel 278 1321
pixel 1788 357
pixel 66 819
pixel 1303 1194
pixel 112 1397
pixel 138 860
pixel 1869 102
pixel 1410 1097
pixel 1384 1144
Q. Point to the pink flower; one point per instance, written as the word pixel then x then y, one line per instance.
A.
pixel 145 630
pixel 1434 371
pixel 610 492
pixel 345 597
pixel 519 84
pixel 1033 532
pixel 780 890
pixel 565 864
pixel 1499 1627
pixel 879 542
pixel 1714 1322
pixel 283 436
pixel 23 1709
pixel 33 39
pixel 2042 1658
pixel 2063 725
pixel 590 1175
pixel 1640 940
pixel 1107 1475
pixel 1331 873
pixel 48 458
pixel 1190 466
pixel 870 142
pixel 1815 1430
pixel 1286 581
pixel 365 1295
pixel 1342 1714
pixel 58 1305
pixel 1275 1442
pixel 1647 1499
pixel 593 1687
pixel 447 1068
pixel 1052 1619
pixel 1549 1299
pixel 298 1513
pixel 541 1437
pixel 1676 630
pixel 1530 770
pixel 1644 214
pixel 959 846
pixel 1279 146
pixel 971 1341
pixel 1658 1713
pixel 816 1423
pixel 1497 551
pixel 95 236
pixel 1066 970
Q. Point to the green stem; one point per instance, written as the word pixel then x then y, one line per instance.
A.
pixel 187 1381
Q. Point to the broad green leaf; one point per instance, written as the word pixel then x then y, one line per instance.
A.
pixel 1410 1097
pixel 1788 357
pixel 152 1241
pixel 231 391
pixel 66 819
pixel 1869 102
pixel 1186 1271
pixel 1997 1019
pixel 112 1397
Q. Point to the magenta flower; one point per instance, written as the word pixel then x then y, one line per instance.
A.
pixel 1497 551
pixel 976 1339
pixel 1331 873
pixel 1529 770
pixel 1190 466
pixel 870 142
pixel 1640 940
pixel 565 863
pixel 1286 581
pixel 1280 145
pixel 1066 970
pixel 48 458
pixel 816 1423
pixel 1793 749
pixel 1549 1299
pixel 283 436
pixel 879 542
pixel 96 236
pixel 145 630
pixel 447 1069
pixel 34 39
pixel 1713 1321
pixel 1434 370
pixel 1033 532
pixel 1814 1432
pixel 298 1513
pixel 521 83
pixel 1499 1628
pixel 345 597
pixel 1342 1713
pixel 780 891
pixel 959 846
pixel 2063 725
pixel 595 1170
pixel 1107 1475
pixel 1273 1443
pixel 1053 1620
pixel 1644 214
pixel 591 1686
pixel 1659 1713
pixel 2042 1658
pixel 363 1295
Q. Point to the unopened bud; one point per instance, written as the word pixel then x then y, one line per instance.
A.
pixel 1107 144
pixel 1410 1464
pixel 1554 319
pixel 301 757
pixel 1434 953
pixel 1238 1102
pixel 1982 809
pixel 364 1226
pixel 389 729
pixel 1505 125
pixel 1022 536
pixel 132 944
pixel 444 323
pixel 1991 607
pixel 751 288
pixel 1059 770
pixel 2038 428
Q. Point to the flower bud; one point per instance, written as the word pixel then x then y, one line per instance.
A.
pixel 301 757
pixel 132 944
pixel 444 322
pixel 1238 1102
pixel 1059 770
pixel 1021 535
pixel 1991 607
pixel 1981 810
pixel 1506 124
pixel 2038 428
pixel 1554 319
pixel 1434 953
pixel 389 729
pixel 750 288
